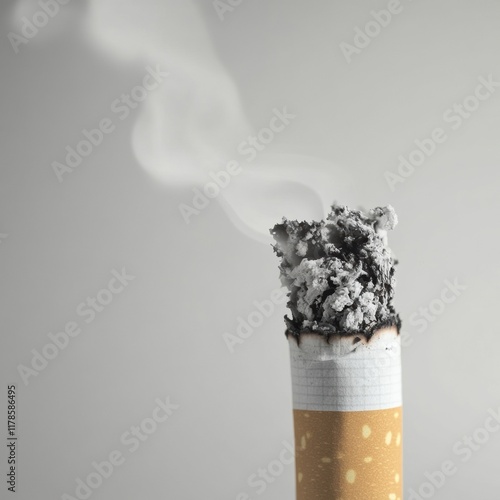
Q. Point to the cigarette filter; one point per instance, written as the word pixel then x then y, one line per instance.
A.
pixel 347 416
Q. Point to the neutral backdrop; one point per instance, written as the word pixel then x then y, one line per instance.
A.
pixel 231 67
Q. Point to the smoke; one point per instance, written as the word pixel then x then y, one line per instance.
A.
pixel 194 123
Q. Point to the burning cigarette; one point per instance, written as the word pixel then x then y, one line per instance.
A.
pixel 345 355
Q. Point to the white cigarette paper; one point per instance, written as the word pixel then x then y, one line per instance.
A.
pixel 346 374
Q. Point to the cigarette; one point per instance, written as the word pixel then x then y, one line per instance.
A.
pixel 345 355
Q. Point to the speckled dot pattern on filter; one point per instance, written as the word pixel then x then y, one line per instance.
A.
pixel 348 455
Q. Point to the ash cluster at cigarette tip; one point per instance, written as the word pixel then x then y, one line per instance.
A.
pixel 339 272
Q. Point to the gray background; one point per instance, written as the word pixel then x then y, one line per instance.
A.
pixel 163 336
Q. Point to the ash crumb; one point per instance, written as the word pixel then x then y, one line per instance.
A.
pixel 339 272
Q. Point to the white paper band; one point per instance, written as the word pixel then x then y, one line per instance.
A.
pixel 345 375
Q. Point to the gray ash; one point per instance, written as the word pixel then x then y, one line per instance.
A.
pixel 339 272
